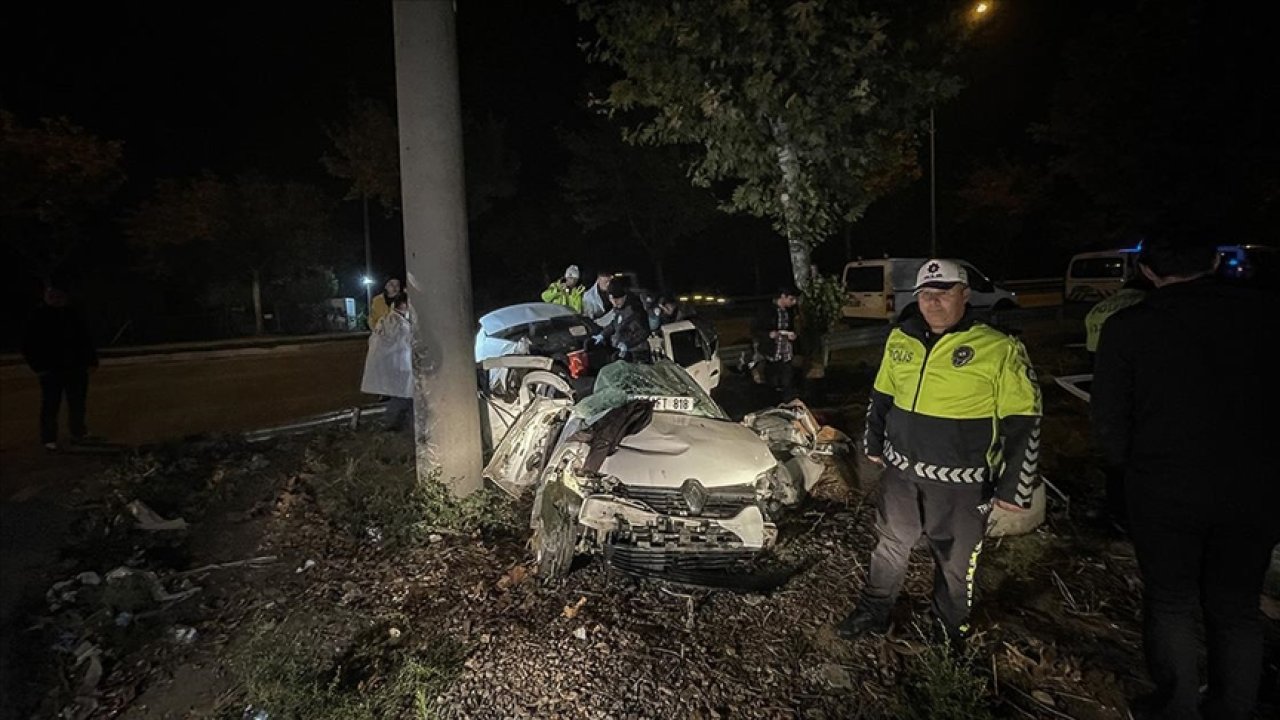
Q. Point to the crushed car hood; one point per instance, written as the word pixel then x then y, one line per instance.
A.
pixel 674 448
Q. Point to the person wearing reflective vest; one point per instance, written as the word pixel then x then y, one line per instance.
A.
pixel 954 419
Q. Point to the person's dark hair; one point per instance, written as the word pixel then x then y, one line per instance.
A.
pixel 618 288
pixel 789 290
pixel 1178 247
pixel 668 300
pixel 401 299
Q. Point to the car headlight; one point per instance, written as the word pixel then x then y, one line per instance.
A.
pixel 765 483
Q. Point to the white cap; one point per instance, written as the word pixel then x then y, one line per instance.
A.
pixel 940 274
pixel 572 272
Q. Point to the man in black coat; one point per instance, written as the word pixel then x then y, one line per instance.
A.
pixel 774 332
pixel 58 348
pixel 628 330
pixel 1182 398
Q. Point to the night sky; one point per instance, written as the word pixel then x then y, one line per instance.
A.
pixel 234 87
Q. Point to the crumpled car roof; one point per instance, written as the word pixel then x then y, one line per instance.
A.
pixel 522 314
pixel 621 381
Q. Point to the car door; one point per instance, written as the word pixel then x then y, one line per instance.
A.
pixel 690 348
pixel 518 460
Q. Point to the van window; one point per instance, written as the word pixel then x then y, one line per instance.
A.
pixel 864 279
pixel 977 281
pixel 1099 267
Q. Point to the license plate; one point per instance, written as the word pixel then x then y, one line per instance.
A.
pixel 668 403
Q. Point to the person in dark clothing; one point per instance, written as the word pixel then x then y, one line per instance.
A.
pixel 628 331
pixel 774 333
pixel 58 348
pixel 670 310
pixel 1181 393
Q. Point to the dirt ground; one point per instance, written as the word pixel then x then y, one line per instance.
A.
pixel 342 606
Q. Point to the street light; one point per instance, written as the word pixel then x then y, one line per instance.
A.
pixel 979 12
pixel 368 290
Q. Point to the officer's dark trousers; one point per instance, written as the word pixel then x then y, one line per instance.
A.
pixel 949 516
pixel 74 384
pixel 1193 560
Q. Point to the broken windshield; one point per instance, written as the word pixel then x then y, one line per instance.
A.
pixel 619 382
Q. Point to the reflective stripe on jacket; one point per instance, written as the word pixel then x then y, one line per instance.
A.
pixel 963 407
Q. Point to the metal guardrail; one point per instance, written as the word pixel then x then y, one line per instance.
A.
pixel 873 335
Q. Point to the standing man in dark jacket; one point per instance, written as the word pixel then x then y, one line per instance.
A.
pixel 1181 397
pixel 57 346
pixel 628 331
pixel 774 333
pixel 954 418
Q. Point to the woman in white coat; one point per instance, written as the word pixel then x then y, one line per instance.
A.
pixel 388 366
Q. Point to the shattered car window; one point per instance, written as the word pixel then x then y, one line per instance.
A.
pixel 621 381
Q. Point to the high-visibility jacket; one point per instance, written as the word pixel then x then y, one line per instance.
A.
pixel 560 295
pixel 1104 309
pixel 960 407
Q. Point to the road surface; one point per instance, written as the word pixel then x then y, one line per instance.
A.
pixel 148 399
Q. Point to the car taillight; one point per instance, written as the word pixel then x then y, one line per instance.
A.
pixel 577 363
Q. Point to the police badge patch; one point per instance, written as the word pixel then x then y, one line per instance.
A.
pixel 961 356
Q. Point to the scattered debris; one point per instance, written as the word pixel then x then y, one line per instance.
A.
pixel 306 566
pixel 580 633
pixel 571 611
pixel 182 634
pixel 149 520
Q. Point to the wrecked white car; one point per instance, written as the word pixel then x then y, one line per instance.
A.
pixel 544 350
pixel 649 471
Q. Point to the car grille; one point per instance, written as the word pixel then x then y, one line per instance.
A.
pixel 630 558
pixel 723 502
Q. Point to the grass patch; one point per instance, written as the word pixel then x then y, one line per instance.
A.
pixel 938 686
pixel 385 672
pixel 367 484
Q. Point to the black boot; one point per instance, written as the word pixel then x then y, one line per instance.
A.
pixel 864 621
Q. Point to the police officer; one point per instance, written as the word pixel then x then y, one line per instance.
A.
pixel 954 418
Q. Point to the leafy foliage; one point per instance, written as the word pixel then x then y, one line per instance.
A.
pixel 808 111
pixel 54 174
pixel 366 152
pixel 822 301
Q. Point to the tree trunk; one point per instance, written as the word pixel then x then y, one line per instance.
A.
pixel 437 259
pixel 257 303
pixel 793 226
pixel 801 262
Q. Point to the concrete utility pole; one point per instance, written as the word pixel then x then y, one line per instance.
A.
pixel 437 263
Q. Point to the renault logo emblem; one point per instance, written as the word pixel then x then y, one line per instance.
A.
pixel 695 496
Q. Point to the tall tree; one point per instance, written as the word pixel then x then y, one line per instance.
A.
pixel 808 110
pixel 250 228
pixel 640 192
pixel 366 153
pixel 54 175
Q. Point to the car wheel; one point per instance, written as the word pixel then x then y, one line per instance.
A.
pixel 555 533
